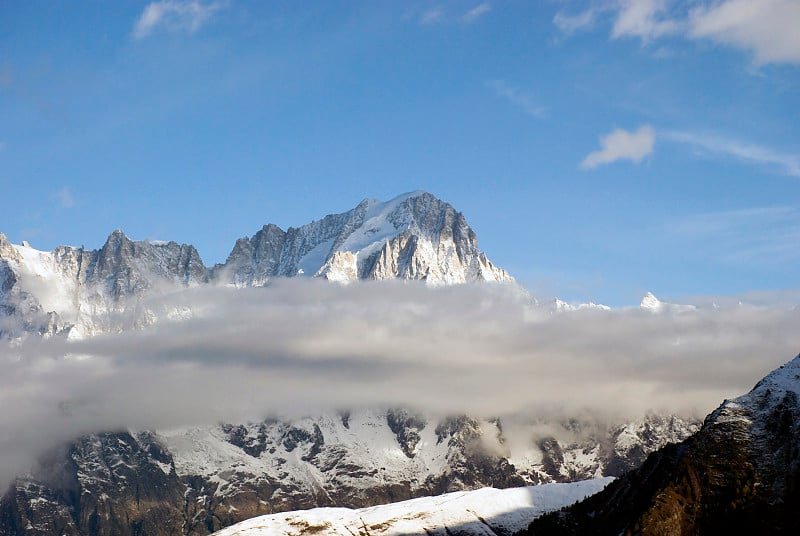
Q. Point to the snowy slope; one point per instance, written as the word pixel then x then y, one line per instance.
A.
pixel 486 511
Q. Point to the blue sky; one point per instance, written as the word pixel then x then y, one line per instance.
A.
pixel 600 149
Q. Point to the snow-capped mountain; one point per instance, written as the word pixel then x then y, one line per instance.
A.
pixel 81 292
pixel 738 474
pixel 483 512
pixel 653 304
pixel 560 306
pixel 413 236
pixel 200 479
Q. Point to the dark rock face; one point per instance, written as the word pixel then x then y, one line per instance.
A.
pixel 406 426
pixel 105 484
pixel 128 268
pixel 738 475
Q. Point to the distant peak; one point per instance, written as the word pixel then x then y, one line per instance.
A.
pixel 116 237
pixel 650 302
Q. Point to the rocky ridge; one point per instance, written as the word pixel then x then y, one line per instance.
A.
pixel 739 474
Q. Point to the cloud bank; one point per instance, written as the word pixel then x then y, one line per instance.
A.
pixel 302 347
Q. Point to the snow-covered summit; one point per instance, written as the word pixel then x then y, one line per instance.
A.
pixel 651 303
pixel 560 306
pixel 413 236
pixel 779 385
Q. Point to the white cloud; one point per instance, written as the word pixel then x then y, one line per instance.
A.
pixel 789 164
pixel 767 28
pixel 569 24
pixel 643 19
pixel 432 16
pixel 620 144
pixel 526 102
pixel 477 12
pixel 64 197
pixel 3 146
pixel 175 15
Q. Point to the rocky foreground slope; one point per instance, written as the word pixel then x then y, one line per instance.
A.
pixel 740 474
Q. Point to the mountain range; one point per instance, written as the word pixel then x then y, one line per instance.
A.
pixel 195 480
pixel 79 292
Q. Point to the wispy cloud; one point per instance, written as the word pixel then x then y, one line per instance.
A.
pixel 175 15
pixel 432 16
pixel 767 28
pixel 621 144
pixel 763 235
pixel 64 198
pixel 787 163
pixel 569 24
pixel 477 12
pixel 438 15
pixel 518 98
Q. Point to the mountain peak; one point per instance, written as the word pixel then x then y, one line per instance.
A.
pixel 412 236
pixel 784 379
pixel 649 301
